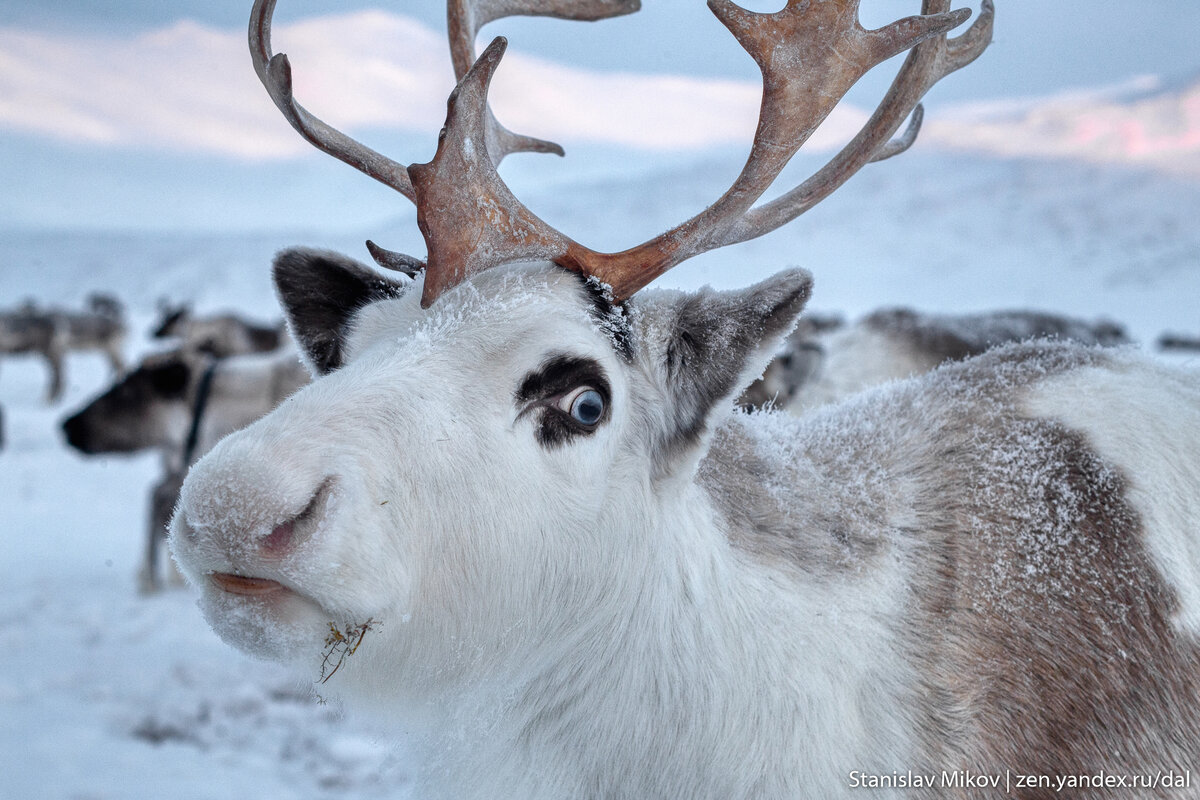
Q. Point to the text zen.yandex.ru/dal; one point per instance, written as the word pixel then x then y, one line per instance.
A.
pixel 1010 781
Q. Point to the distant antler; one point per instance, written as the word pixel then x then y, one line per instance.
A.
pixel 810 54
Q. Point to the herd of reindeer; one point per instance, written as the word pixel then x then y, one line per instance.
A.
pixel 221 372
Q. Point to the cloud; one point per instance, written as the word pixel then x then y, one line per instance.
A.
pixel 1138 123
pixel 190 88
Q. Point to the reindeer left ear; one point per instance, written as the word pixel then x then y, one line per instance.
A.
pixel 320 292
pixel 717 344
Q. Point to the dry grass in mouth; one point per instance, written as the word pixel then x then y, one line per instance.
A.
pixel 340 644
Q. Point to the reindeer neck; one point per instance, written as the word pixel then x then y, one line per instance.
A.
pixel 706 650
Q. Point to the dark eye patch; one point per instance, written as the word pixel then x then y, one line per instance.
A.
pixel 557 376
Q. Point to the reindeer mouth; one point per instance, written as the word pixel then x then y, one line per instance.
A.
pixel 247 587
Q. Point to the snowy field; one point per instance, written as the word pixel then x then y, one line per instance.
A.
pixel 107 694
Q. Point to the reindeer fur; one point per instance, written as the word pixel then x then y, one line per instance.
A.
pixel 822 362
pixel 992 566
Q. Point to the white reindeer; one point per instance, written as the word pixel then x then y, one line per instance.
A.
pixel 518 514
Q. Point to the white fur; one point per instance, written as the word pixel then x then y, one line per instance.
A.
pixel 1132 414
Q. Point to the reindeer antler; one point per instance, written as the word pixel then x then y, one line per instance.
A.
pixel 275 72
pixel 465 19
pixel 810 54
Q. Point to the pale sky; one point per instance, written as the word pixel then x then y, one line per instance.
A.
pixel 107 109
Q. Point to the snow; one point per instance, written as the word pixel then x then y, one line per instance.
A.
pixel 106 694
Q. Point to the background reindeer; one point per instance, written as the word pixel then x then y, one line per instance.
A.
pixel 52 333
pixel 517 514
pixel 219 335
pixel 180 403
pixel 823 362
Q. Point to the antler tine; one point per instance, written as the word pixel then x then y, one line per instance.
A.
pixel 906 140
pixel 470 219
pixel 928 63
pixel 275 72
pixel 466 17
pixel 810 55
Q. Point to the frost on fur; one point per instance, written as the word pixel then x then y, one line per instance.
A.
pixel 664 598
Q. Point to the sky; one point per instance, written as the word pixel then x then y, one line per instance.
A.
pixel 144 115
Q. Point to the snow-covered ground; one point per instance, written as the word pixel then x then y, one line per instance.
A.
pixel 106 694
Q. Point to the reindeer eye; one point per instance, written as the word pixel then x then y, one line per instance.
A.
pixel 585 405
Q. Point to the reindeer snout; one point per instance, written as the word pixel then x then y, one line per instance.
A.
pixel 78 434
pixel 241 512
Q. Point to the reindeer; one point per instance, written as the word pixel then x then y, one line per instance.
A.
pixel 518 514
pixel 52 333
pixel 179 402
pixel 822 361
pixel 1178 341
pixel 219 335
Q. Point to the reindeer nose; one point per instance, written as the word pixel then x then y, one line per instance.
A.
pixel 76 432
pixel 231 540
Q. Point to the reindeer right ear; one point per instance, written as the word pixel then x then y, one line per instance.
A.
pixel 706 347
pixel 320 292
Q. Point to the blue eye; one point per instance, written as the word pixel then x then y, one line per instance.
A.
pixel 586 406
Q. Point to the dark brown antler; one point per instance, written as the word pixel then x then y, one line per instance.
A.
pixel 810 54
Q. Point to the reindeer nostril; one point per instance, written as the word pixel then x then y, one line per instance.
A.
pixel 283 537
pixel 279 540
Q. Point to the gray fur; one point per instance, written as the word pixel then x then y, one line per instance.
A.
pixel 1041 627
pixel 712 337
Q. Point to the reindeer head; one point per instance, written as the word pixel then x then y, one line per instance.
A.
pixel 146 408
pixel 491 440
pixel 452 463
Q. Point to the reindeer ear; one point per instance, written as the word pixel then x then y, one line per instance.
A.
pixel 320 291
pixel 716 344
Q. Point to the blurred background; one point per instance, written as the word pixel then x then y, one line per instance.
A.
pixel 141 159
